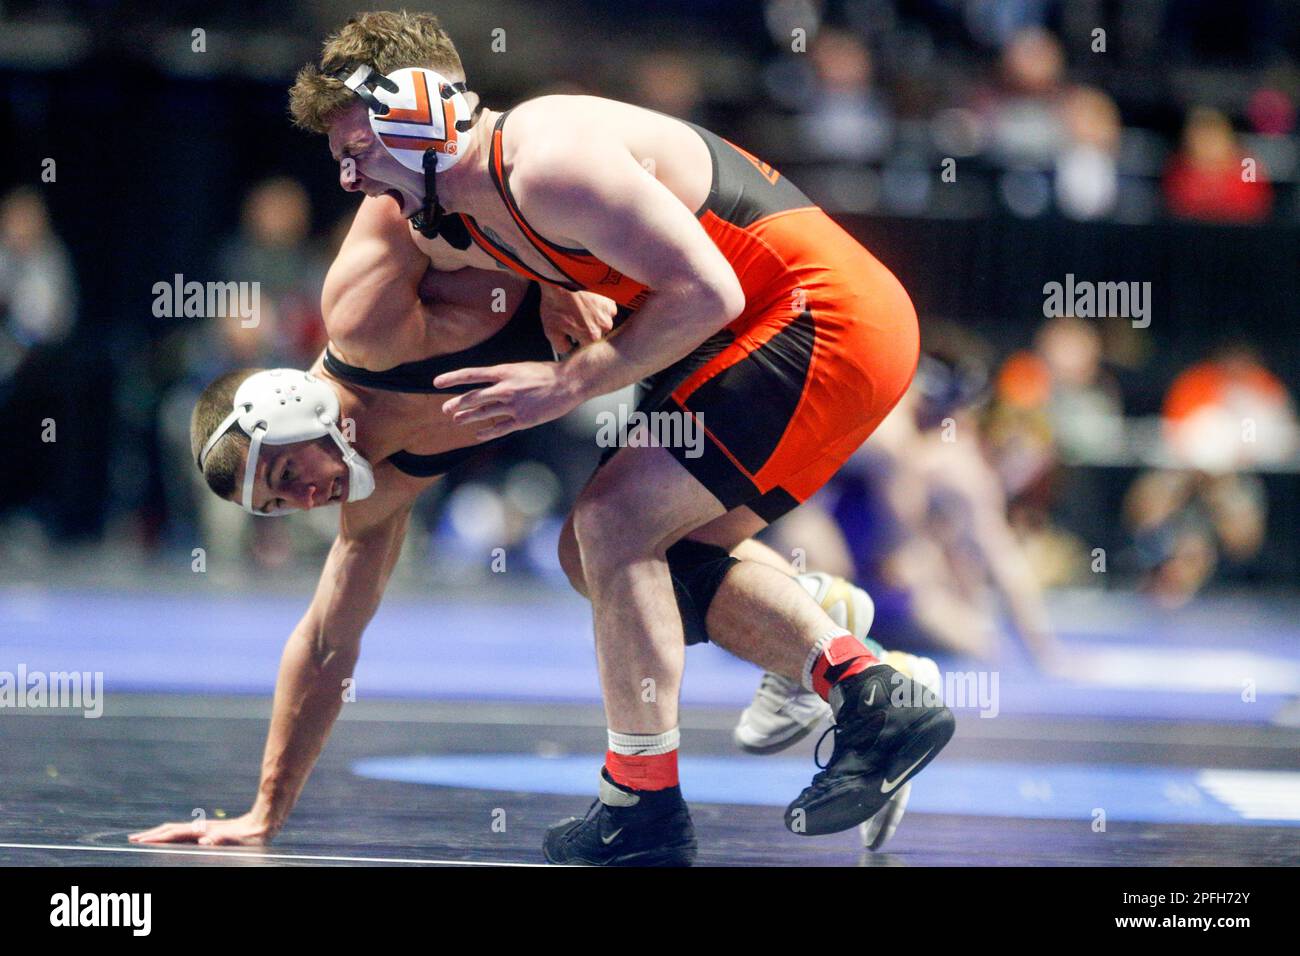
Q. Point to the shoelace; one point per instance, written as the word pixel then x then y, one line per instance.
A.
pixel 591 812
pixel 817 751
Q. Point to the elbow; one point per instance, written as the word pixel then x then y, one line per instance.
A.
pixel 733 303
pixel 723 300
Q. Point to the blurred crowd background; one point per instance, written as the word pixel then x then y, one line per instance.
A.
pixel 981 148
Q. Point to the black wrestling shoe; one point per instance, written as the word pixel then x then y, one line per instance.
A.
pixel 887 728
pixel 626 827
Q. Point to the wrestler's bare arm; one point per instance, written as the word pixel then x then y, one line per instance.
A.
pixel 610 204
pixel 372 286
pixel 388 297
pixel 382 295
pixel 323 649
pixel 1009 569
pixel 318 657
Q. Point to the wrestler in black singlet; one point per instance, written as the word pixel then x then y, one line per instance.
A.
pixel 519 340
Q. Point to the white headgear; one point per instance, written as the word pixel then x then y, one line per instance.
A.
pixel 281 406
pixel 413 110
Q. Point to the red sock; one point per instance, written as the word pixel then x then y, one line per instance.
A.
pixel 840 658
pixel 643 761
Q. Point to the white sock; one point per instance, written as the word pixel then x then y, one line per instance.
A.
pixel 809 662
pixel 645 745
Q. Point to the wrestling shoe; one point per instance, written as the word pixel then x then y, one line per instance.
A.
pixel 783 712
pixel 877 831
pixel 626 827
pixel 887 729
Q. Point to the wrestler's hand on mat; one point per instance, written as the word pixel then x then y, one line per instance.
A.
pixel 247 830
pixel 569 317
pixel 513 397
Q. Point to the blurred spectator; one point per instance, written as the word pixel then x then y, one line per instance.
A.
pixel 1018 425
pixel 1055 406
pixel 274 249
pixel 1229 412
pixel 1063 376
pixel 37 291
pixel 845 118
pixel 1271 112
pixel 1024 112
pixel 1087 175
pixel 1183 522
pixel 1221 417
pixel 670 82
pixel 1208 179
pixel 38 307
pixel 1085 407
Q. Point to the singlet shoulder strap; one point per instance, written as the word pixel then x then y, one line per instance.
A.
pixel 430 466
pixel 508 258
pixel 550 251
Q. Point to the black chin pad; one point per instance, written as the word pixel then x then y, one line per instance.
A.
pixel 452 228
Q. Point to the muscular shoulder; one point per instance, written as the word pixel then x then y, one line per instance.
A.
pixel 379 220
pixel 561 138
pixel 556 113
pixel 378 246
pixel 563 160
pixel 381 244
pixel 382 273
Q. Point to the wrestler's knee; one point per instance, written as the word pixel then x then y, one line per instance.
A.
pixel 608 525
pixel 571 557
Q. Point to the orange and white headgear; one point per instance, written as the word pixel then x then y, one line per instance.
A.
pixel 413 110
pixel 419 117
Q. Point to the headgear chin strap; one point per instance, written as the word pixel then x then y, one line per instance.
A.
pixel 281 406
pixel 418 115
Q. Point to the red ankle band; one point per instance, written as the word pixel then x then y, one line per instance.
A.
pixel 842 658
pixel 657 772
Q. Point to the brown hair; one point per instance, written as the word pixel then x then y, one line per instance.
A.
pixel 382 39
pixel 223 471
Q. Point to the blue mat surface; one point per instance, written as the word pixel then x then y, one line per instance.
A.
pixel 1038 791
pixel 1127 667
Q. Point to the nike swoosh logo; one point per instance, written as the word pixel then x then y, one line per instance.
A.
pixel 887 785
pixel 871 698
pixel 607 840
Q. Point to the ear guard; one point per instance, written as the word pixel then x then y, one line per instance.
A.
pixel 413 110
pixel 281 406
pixel 419 116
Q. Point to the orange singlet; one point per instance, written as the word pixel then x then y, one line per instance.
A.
pixel 826 346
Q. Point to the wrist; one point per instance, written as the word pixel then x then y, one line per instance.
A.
pixel 268 813
pixel 573 376
pixel 263 823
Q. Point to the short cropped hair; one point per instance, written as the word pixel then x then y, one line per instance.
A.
pixel 382 39
pixel 223 471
